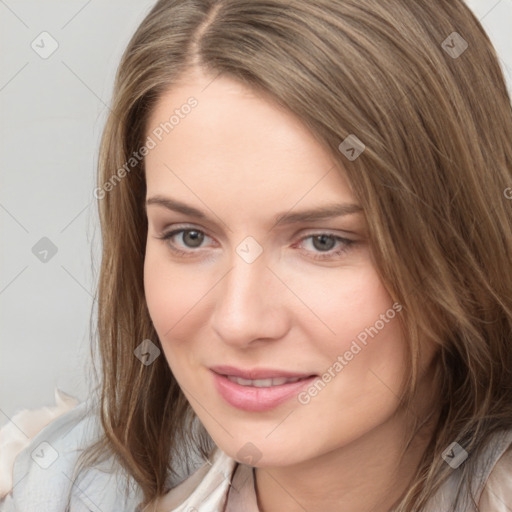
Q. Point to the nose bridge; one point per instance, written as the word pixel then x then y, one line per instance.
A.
pixel 246 307
pixel 243 290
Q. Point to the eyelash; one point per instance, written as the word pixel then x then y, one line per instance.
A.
pixel 324 256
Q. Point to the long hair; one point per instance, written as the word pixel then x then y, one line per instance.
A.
pixel 420 85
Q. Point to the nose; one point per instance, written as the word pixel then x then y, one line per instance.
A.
pixel 249 304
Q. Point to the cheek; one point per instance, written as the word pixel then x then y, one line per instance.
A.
pixel 359 337
pixel 344 305
pixel 337 307
pixel 172 293
pixel 166 300
pixel 176 298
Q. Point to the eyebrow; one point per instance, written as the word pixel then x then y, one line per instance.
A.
pixel 324 212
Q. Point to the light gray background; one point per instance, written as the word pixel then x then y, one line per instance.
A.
pixel 52 113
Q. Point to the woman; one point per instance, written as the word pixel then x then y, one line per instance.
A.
pixel 306 240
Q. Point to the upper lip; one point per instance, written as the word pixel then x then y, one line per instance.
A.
pixel 257 373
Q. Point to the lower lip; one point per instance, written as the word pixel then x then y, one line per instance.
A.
pixel 251 398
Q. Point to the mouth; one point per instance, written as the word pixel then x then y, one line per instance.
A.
pixel 263 383
pixel 258 390
pixel 259 374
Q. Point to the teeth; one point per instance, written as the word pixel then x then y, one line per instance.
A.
pixel 262 383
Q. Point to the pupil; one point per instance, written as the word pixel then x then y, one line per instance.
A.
pixel 195 238
pixel 323 239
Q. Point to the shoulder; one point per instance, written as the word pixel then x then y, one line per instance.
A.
pixel 496 494
pixel 206 489
pixel 43 471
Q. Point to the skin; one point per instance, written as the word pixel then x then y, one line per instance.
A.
pixel 242 160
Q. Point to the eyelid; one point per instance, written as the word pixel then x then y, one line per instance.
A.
pixel 342 233
pixel 326 256
pixel 177 229
pixel 303 233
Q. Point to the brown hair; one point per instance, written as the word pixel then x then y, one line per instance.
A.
pixel 437 127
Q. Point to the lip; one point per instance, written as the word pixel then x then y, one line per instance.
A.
pixel 256 373
pixel 258 399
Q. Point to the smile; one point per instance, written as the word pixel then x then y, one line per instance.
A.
pixel 263 391
pixel 263 383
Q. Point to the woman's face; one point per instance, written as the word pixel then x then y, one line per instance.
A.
pixel 244 305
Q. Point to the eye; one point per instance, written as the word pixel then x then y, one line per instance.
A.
pixel 324 243
pixel 191 238
pixel 321 246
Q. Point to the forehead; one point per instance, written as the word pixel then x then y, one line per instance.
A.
pixel 238 144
